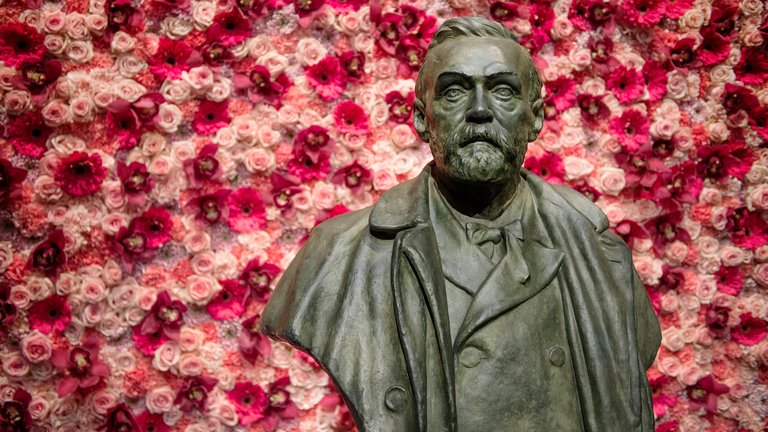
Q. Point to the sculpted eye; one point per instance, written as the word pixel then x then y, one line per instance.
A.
pixel 453 94
pixel 504 92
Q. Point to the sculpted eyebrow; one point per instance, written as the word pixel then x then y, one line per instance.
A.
pixel 447 79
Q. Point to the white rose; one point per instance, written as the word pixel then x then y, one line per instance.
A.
pixel 160 399
pixel 203 13
pixel 166 356
pixel 79 51
pixel 122 42
pixel 170 117
pixel 576 167
pixel 310 51
pixel 611 180
pixel 176 91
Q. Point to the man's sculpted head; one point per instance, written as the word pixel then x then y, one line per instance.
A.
pixel 478 102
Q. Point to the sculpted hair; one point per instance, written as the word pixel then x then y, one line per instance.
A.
pixel 481 27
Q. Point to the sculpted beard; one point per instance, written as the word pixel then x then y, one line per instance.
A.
pixel 479 163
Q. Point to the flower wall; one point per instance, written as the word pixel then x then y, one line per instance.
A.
pixel 162 161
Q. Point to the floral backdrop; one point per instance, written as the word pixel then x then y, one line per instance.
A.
pixel 161 162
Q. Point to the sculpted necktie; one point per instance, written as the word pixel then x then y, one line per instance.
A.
pixel 490 240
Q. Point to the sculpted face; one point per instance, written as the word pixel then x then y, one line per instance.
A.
pixel 475 111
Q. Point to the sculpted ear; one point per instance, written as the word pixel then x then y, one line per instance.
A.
pixel 419 121
pixel 537 108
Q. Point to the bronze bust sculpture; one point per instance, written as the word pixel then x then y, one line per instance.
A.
pixel 475 297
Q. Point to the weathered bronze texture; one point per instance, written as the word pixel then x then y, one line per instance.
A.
pixel 475 297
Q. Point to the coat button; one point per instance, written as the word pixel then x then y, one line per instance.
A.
pixel 556 356
pixel 396 398
pixel 470 357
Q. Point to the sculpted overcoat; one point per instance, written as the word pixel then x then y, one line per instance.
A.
pixel 366 297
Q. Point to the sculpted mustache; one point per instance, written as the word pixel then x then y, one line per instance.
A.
pixel 473 133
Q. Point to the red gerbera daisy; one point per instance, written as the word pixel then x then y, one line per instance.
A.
pixel 20 43
pixel 49 257
pixel 50 314
pixel 561 93
pixel 729 280
pixel 642 13
pixel 10 180
pixel 655 80
pixel 675 9
pixel 229 302
pixel 148 421
pixel 172 58
pixel 627 84
pixel 327 78
pixel 549 166
pixel 156 225
pixel 80 174
pixel 752 68
pixel 250 402
pixel 246 210
pixel 750 331
pixel 28 134
pixel 714 47
pixel 306 166
pixel 81 365
pixel 229 27
pixel 350 117
pixel 210 117
pixel 120 418
pixel 631 129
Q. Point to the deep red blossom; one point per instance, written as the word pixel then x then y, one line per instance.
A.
pixel 253 9
pixel 172 58
pixel 549 166
pixel 312 141
pixel 81 366
pixel 210 208
pixel 411 51
pixel 229 27
pixel 674 9
pixel 704 394
pixel 246 210
pixel 122 16
pixel 752 68
pixel 28 134
pixel 561 94
pixel 729 280
pixel 280 406
pixel 123 123
pixel 680 184
pixel 20 43
pixel 626 84
pixel 253 344
pixel 229 302
pixel 210 117
pixel 50 314
pixel 7 308
pixel 630 231
pixel 683 53
pixel 147 108
pixel 119 419
pixel 400 107
pixel 588 191
pixel 643 167
pixel 194 394
pixel 353 65
pixel 642 13
pixel 306 8
pixel 327 78
pixel 666 228
pixel 655 78
pixel 284 186
pixel 601 50
pixel 353 176
pixel 137 182
pixel 736 98
pixel 308 167
pixel 714 47
pixel 151 422
pixel 542 18
pixel 758 120
pixel 589 15
pixel 723 17
pixel 14 415
pixel 165 318
pixel 260 87
pixel 48 257
pixel 503 11
pixel 10 181
pixel 216 54
pixel 38 78
pixel 250 402
pixel 350 117
pixel 717 162
pixel 80 174
pixel 748 229
pixel 631 129
pixel 388 32
pixel 593 109
pixel 131 244
pixel 716 319
pixel 750 331
pixel 156 225
pixel 346 5
pixel 257 279
pixel 324 215
pixel 204 167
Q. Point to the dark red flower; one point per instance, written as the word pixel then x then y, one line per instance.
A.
pixel 229 302
pixel 350 117
pixel 280 406
pixel 307 7
pixel 704 394
pixel 752 68
pixel 324 215
pixel 561 93
pixel 229 28
pixel 81 365
pixel 655 80
pixel 642 13
pixel 194 395
pixel 123 123
pixel 14 416
pixel 750 331
pixel 353 176
pixel 147 108
pixel 748 229
pixel 661 401
pixel 626 84
pixel 151 422
pixel 593 109
pixel 758 119
pixel 353 64
pixel 166 317
pixel 723 18
pixel 148 343
pixel 601 49
pixel 666 228
pixel 327 78
pixel 311 141
pixel 250 402
pixel 120 419
pixel 259 85
pixel 10 180
pixel 736 98
pixel 37 78
pixel 172 58
pixel 643 166
pixel 20 43
pixel 171 5
pixel 683 53
pixel 503 11
pixel 80 174
pixel 210 117
pixel 631 129
pixel 211 208
pixel 136 180
pixel 50 314
pixel 122 16
pixel 729 280
pixel 630 231
pixel 246 210
pixel 542 18
pixel 28 134
pixel 388 32
pixel 131 244
pixel 257 279
pixel 252 343
pixel 284 186
pixel 589 15
pixel 549 166
pixel 204 167
pixel 306 166
pixel 400 107
pixel 716 319
pixel 216 54
pixel 49 257
pixel 7 309
pixel 680 184
pixel 156 225
pixel 588 191
pixel 717 162
pixel 411 51
pixel 346 5
pixel 714 47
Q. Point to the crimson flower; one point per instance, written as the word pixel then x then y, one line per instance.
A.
pixel 259 85
pixel 676 8
pixel 704 394
pixel 549 166
pixel 49 314
pixel 7 309
pixel 353 65
pixel 601 50
pixel 216 53
pixel 131 243
pixel 748 229
pixel 717 162
pixel 14 416
pixel 147 108
pixel 661 401
pixel 254 9
pixel 250 402
pixel 156 225
pixel 542 18
pixel 589 15
pixel 752 68
pixel 80 174
pixel 20 43
pixel 123 123
pixel 307 7
pixel 750 331
pixel 283 188
pixel 758 119
pixel 400 107
pixel 327 78
pixel 172 58
pixel 49 257
pixel 28 134
pixel 411 51
pixel 120 419
pixel 729 280
pixel 388 32
pixel 136 180
pixel 682 53
pixel 229 28
pixel 194 395
pixel 82 366
pixel 680 184
pixel 630 231
pixel 122 16
pixel 257 279
pixel 655 76
pixel 346 5
pixel 714 47
pixel 593 109
pixel 210 208
pixel 350 117
pixel 37 78
pixel 210 117
pixel 228 303
pixel 588 191
pixel 10 180
pixel 204 167
pixel 666 228
pixel 280 406
pixel 642 167
pixel 353 176
pixel 503 11
pixel 723 18
pixel 151 422
pixel 246 210
pixel 737 98
pixel 253 344
pixel 716 319
pixel 561 94
pixel 631 129
pixel 165 317
pixel 627 84
pixel 311 141
pixel 642 13
pixel 309 166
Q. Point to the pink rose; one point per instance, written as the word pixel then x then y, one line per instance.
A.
pixel 576 167
pixel 201 289
pixel 160 165
pixel 134 316
pixel 82 108
pixel 692 19
pixel 93 313
pixel 39 407
pixel 302 201
pixel 203 13
pixel 751 7
pixel 403 137
pixel 676 252
pixel 53 21
pixel 732 256
pixel 145 298
pixel 75 26
pixel 176 91
pixel 191 364
pixel 79 51
pixel 102 99
pixel 152 144
pixel 561 28
pixel 384 179
pixel 112 273
pixel 758 197
pixel 36 347
pixel 166 356
pixel 549 142
pixel 760 274
pixel 56 113
pixel 122 42
pixel 197 241
pixel 274 62
pixel 719 218
pixel 689 303
pixel 267 136
pixel 259 160
pixel 310 51
pixel 203 262
pixel 689 374
pixel 352 142
pixel 20 297
pixel 6 255
pixel 348 23
pixel 112 223
pixel 663 129
pixel 190 339
pixel 55 44
pixel 39 288
pixel 93 289
pixel 14 364
pixel 103 400
pixel 96 22
pixel 580 57
pixel 324 196
pixel 385 68
pixel 160 399
pixel 611 180
pixel 17 101
pixel 199 78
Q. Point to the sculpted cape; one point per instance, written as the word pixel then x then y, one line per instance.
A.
pixel 365 296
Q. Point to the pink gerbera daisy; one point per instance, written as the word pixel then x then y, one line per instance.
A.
pixel 229 302
pixel 750 331
pixel 50 314
pixel 250 402
pixel 80 174
pixel 631 129
pixel 230 27
pixel 246 210
pixel 172 58
pixel 642 13
pixel 627 84
pixel 210 117
pixel 327 78
pixel 350 117
pixel 20 43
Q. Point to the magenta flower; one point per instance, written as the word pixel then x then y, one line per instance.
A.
pixel 137 182
pixel 549 166
pixel 50 314
pixel 748 229
pixel 172 58
pixel 229 302
pixel 194 395
pixel 204 167
pixel 716 319
pixel 411 51
pixel 122 16
pixel 682 54
pixel 561 93
pixel 589 15
pixel 309 166
pixel 253 344
pixel 81 365
pixel 593 109
pixel 257 279
pixel 260 87
pixel 147 421
pixel 661 401
pixel 666 228
pixel 280 407
pixel 327 78
pixel 655 76
pixel 80 174
pixel 642 13
pixel 166 317
pixel 229 27
pixel 120 419
pixel 353 64
pixel 627 84
pixel 503 11
pixel 704 394
pixel 7 309
pixel 630 231
pixel 28 134
pixel 631 129
pixel 400 107
pixel 752 68
pixel 388 32
pixel 246 210
pixel 10 181
pixel 156 225
pixel 14 416
pixel 729 280
pixel 305 8
pixel 750 331
pixel 311 141
pixel 210 117
pixel 20 43
pixel 250 402
pixel 131 244
pixel 48 257
pixel 350 117
pixel 123 123
pixel 283 188
pixel 714 47
pixel 210 208
pixel 353 176
pixel 679 184
pixel 717 162
pixel 38 78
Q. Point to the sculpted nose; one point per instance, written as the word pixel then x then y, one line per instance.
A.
pixel 479 112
